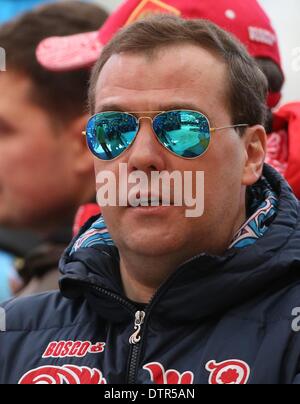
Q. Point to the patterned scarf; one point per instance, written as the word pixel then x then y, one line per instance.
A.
pixel 263 203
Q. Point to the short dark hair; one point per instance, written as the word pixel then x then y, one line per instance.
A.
pixel 62 94
pixel 247 84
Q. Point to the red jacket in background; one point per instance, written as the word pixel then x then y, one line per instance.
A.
pixel 84 213
pixel 284 144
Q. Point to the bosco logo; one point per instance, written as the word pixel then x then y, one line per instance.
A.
pixel 72 349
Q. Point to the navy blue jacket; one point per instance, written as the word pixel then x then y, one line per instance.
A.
pixel 230 319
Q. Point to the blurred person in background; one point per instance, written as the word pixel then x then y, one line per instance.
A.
pixel 246 20
pixel 283 151
pixel 14 244
pixel 46 172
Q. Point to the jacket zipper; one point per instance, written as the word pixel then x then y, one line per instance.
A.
pixel 139 321
pixel 114 296
pixel 135 340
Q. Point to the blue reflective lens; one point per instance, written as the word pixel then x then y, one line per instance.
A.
pixel 185 133
pixel 110 133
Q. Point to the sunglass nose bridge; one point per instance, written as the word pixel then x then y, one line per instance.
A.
pixel 145 117
pixel 149 118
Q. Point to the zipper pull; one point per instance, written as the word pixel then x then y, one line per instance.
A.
pixel 138 322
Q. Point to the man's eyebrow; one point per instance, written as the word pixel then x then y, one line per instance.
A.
pixel 181 105
pixel 110 107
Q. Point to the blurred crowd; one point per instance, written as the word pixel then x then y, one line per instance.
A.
pixel 46 171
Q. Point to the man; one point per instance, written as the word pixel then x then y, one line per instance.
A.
pixel 171 299
pixel 45 169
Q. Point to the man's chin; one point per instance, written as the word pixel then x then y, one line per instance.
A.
pixel 152 243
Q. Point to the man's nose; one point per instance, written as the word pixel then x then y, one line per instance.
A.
pixel 146 154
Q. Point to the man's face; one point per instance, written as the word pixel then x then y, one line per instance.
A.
pixel 185 77
pixel 34 174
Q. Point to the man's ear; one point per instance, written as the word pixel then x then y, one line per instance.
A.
pixel 82 159
pixel 255 144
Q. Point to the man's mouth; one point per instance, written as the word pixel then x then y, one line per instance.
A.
pixel 149 201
